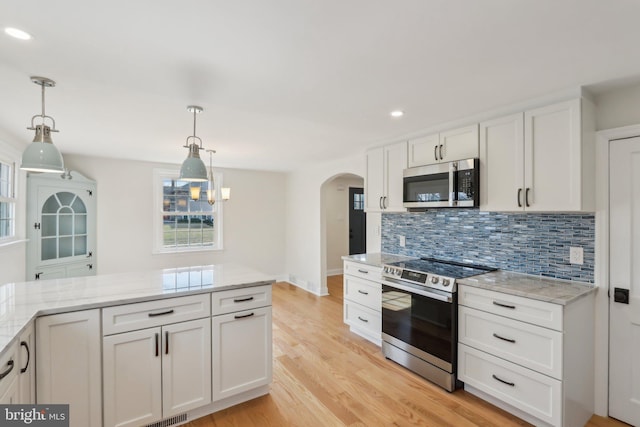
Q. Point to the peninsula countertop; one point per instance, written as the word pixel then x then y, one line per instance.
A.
pixel 20 303
pixel 377 259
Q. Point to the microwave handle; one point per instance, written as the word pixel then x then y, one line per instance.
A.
pixel 453 176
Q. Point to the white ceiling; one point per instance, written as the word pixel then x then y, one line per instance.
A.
pixel 288 82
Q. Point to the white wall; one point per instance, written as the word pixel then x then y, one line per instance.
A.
pixel 306 234
pixel 617 108
pixel 336 205
pixel 254 218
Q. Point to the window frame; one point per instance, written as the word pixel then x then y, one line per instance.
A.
pixel 11 158
pixel 158 248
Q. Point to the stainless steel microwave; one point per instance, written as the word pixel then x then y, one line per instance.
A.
pixel 442 185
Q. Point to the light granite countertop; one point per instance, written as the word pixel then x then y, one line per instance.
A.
pixel 20 303
pixel 376 259
pixel 547 289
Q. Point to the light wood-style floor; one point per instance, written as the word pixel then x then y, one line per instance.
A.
pixel 323 375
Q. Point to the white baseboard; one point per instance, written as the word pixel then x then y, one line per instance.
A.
pixel 335 272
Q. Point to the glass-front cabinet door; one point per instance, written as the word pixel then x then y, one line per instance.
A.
pixel 61 227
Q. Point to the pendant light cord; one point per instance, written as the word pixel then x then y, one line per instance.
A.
pixel 194 122
pixel 43 114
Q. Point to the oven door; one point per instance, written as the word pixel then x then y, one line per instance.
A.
pixel 421 322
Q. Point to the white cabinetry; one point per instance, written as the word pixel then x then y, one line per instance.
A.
pixel 27 359
pixel 9 381
pixel 448 146
pixel 539 160
pixel 532 358
pixel 383 180
pixel 242 341
pixel 69 364
pixel 157 362
pixel 363 300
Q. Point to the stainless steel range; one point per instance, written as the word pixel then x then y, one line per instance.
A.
pixel 420 315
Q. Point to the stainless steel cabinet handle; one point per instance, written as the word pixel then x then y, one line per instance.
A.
pixel 526 197
pixel 8 371
pixel 364 320
pixel 243 299
pixel 499 304
pixel 440 149
pixel 519 197
pixel 363 292
pixel 26 346
pixel 504 339
pixel 503 381
pixel 164 313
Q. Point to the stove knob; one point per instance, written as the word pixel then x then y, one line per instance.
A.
pixel 446 282
pixel 435 279
pixel 385 269
pixel 398 272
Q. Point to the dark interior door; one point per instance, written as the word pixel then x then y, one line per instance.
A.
pixel 357 222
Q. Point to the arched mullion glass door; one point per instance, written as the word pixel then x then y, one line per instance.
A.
pixel 64 227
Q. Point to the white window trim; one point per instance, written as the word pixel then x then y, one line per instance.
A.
pixel 158 248
pixel 8 155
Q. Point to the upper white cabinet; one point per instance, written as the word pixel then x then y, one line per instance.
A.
pixel 539 160
pixel 383 181
pixel 448 146
pixel 61 224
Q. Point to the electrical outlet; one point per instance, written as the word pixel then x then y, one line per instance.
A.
pixel 403 241
pixel 576 255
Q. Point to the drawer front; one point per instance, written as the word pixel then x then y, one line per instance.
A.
pixel 529 391
pixel 525 309
pixel 360 317
pixel 363 271
pixel 364 292
pixel 224 302
pixel 131 317
pixel 531 346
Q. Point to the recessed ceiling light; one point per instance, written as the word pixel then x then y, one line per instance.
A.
pixel 18 34
pixel 397 113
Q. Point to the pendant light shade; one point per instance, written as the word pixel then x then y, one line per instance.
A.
pixel 193 168
pixel 41 155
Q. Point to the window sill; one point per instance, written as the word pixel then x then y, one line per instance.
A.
pixel 7 243
pixel 184 250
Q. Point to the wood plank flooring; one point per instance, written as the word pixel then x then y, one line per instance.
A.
pixel 323 375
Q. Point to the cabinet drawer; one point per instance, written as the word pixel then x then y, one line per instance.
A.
pixel 240 299
pixel 361 317
pixel 529 391
pixel 363 271
pixel 525 309
pixel 363 292
pixel 130 317
pixel 531 346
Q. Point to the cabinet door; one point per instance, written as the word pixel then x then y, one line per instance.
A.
pixel 186 366
pixel 69 366
pixel 374 180
pixel 423 151
pixel 395 162
pixel 502 164
pixel 132 378
pixel 26 363
pixel 11 392
pixel 9 383
pixel 242 353
pixel 459 144
pixel 552 141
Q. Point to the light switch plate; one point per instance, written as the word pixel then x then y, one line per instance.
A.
pixel 576 255
pixel 403 241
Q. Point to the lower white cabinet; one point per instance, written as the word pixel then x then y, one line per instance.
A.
pixel 27 371
pixel 9 382
pixel 156 373
pixel 529 357
pixel 242 351
pixel 69 364
pixel 363 300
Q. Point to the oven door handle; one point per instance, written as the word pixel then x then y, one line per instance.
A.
pixel 426 292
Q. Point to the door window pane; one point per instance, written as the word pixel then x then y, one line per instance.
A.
pixel 64 226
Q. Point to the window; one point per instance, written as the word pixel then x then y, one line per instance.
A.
pixel 182 223
pixel 7 200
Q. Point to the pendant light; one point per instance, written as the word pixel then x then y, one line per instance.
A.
pixel 193 168
pixel 41 155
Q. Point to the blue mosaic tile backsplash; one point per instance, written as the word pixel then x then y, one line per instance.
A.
pixel 521 242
